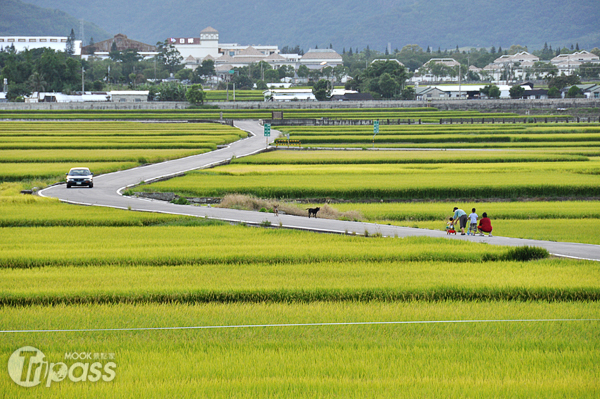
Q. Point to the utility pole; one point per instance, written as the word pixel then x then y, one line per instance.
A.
pixel 82 81
pixel 459 82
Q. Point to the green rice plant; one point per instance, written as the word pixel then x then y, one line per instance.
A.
pixel 511 359
pixel 406 157
pixel 176 245
pixel 388 181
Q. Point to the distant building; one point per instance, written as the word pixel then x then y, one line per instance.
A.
pixel 198 47
pixel 321 58
pixel 21 43
pixel 122 43
pixel 512 59
pixel 580 56
pixel 287 95
pixel 449 62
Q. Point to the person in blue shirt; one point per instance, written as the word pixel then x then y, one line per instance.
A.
pixel 461 216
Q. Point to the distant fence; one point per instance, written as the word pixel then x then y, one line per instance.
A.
pixel 340 122
pixel 528 119
pixel 443 121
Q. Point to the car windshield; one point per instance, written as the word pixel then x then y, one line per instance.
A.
pixel 79 172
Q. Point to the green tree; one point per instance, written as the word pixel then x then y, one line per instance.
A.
pixel 575 92
pixel 408 93
pixel 322 90
pixel 169 56
pixel 553 93
pixel 271 75
pixel 91 46
pixel 242 82
pixel 387 86
pixel 516 92
pixel 36 83
pixel 303 71
pixel 70 46
pixel 370 77
pixel 195 95
pixel 207 68
pixel 491 91
pixel 589 71
pixel 114 52
pixel 562 81
pixel 286 71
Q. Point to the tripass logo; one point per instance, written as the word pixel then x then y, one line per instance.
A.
pixel 28 367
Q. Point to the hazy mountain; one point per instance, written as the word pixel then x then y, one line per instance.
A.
pixel 18 18
pixel 350 23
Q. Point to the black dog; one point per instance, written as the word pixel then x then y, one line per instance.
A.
pixel 312 211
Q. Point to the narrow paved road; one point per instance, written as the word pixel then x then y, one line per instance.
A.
pixel 106 192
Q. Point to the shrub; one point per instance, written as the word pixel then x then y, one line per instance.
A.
pixel 180 201
pixel 526 253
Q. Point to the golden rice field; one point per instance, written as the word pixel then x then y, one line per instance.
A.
pixel 448 136
pixel 64 267
pixel 45 151
pixel 394 181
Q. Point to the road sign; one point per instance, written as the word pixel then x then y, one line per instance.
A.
pixel 375 127
pixel 267 129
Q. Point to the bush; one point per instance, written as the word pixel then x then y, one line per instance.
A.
pixel 526 253
pixel 180 201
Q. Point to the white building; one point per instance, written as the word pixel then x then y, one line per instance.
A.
pixel 21 43
pixel 511 59
pixel 580 56
pixel 321 58
pixel 198 47
pixel 287 95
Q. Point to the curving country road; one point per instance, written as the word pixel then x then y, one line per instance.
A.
pixel 107 188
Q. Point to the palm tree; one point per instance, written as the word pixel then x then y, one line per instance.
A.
pixel 36 83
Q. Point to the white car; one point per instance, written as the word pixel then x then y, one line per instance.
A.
pixel 80 177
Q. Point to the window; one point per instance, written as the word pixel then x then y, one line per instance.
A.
pixel 32 40
pixel 1 40
pixel 11 40
pixel 231 53
pixel 190 40
pixel 181 41
pixel 53 40
pixel 63 40
pixel 22 40
pixel 43 40
pixel 596 95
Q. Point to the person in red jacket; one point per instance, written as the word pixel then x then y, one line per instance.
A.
pixel 485 225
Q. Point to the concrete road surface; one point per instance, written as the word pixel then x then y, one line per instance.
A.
pixel 107 188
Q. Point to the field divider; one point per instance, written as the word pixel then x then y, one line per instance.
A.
pixel 358 323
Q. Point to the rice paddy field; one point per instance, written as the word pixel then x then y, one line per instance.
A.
pixel 188 307
pixel 502 136
pixel 45 151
